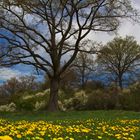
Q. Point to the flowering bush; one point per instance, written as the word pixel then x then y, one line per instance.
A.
pixel 78 101
pixel 40 105
pixel 81 96
pixel 61 106
pixel 8 108
pixel 37 101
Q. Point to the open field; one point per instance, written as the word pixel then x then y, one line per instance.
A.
pixel 82 125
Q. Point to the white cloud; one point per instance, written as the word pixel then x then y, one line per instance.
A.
pixel 7 73
pixel 136 4
pixel 126 28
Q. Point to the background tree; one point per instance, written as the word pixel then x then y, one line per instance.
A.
pixel 84 67
pixel 69 80
pixel 10 87
pixel 47 34
pixel 20 85
pixel 14 88
pixel 120 56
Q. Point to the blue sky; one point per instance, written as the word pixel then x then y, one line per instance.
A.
pixel 126 28
pixel 17 71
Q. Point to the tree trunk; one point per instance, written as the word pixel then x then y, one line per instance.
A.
pixel 53 100
pixel 83 79
pixel 120 82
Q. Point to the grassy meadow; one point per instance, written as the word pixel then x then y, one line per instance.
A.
pixel 80 125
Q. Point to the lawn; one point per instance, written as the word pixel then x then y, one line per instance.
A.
pixel 80 125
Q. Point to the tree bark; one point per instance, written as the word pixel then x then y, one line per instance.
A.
pixel 53 100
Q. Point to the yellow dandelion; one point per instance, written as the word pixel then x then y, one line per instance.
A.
pixel 5 138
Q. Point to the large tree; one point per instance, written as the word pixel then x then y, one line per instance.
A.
pixel 119 57
pixel 47 34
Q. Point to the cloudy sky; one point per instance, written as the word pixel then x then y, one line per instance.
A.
pixel 127 28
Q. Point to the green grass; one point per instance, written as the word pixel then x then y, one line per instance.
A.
pixel 72 115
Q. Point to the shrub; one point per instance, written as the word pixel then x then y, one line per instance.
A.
pixel 68 104
pixel 102 99
pixel 135 96
pixel 8 108
pixel 33 101
pixel 95 100
pixel 61 106
pixel 77 102
pixel 40 105
pixel 26 104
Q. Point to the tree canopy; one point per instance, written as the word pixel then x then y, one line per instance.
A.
pixel 120 56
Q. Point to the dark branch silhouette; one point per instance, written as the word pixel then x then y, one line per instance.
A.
pixel 47 34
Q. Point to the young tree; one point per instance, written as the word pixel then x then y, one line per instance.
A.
pixel 120 56
pixel 47 34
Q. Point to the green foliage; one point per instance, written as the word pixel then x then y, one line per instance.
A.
pixel 119 57
pixel 100 98
pixel 132 97
pixel 33 102
pixel 27 105
pixel 77 102
pixel 114 98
